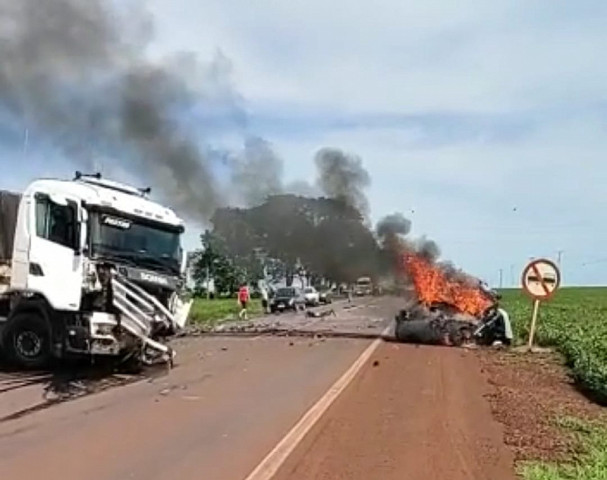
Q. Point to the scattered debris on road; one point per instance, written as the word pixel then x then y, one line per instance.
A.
pixel 322 314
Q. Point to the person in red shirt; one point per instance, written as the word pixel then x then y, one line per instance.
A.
pixel 243 300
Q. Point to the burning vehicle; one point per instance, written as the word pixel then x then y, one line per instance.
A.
pixel 449 311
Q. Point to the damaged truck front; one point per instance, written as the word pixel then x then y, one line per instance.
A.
pixel 89 267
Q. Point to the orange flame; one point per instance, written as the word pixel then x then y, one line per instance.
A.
pixel 432 286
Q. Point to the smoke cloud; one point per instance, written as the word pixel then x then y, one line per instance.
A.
pixel 394 224
pixel 257 173
pixel 76 73
pixel 427 249
pixel 302 189
pixel 342 176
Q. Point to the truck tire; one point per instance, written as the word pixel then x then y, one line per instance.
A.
pixel 27 340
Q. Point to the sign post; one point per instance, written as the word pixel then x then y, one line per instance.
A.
pixel 541 278
pixel 536 307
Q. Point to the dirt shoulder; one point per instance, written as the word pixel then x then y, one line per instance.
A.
pixel 530 394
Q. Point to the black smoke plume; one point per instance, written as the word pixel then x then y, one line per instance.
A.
pixel 78 74
pixel 342 177
pixel 393 225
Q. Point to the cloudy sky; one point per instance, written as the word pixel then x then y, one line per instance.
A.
pixel 484 122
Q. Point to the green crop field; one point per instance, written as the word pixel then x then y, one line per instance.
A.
pixel 212 312
pixel 575 323
pixel 589 464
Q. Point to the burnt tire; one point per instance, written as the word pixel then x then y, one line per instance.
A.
pixel 400 332
pixel 27 341
pixel 461 336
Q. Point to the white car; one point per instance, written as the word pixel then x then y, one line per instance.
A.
pixel 311 296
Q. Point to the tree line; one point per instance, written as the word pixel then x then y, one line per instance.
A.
pixel 319 239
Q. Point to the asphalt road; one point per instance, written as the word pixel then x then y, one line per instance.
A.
pixel 409 413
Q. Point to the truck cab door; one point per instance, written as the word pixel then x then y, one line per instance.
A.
pixel 55 253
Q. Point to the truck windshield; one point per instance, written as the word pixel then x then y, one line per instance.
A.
pixel 146 245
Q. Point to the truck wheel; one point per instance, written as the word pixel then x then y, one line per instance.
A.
pixel 28 341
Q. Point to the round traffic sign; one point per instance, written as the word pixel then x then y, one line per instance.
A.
pixel 541 278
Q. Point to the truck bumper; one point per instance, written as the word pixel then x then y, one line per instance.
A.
pixel 107 337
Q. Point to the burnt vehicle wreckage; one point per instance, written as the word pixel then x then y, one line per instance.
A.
pixel 443 324
pixel 449 307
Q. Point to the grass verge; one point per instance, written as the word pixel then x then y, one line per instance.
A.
pixel 589 464
pixel 213 312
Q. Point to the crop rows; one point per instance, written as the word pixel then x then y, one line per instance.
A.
pixel 575 323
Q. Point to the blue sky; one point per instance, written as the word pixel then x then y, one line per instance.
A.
pixel 484 122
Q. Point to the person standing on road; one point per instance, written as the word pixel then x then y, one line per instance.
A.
pixel 243 300
pixel 264 298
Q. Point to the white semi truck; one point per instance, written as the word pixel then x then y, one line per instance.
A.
pixel 89 267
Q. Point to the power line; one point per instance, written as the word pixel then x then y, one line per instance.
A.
pixel 594 262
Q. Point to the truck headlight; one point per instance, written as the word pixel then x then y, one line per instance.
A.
pixel 291 301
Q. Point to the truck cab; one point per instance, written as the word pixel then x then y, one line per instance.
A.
pixel 97 268
pixel 364 286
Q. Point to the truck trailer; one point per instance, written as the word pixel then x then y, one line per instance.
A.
pixel 92 268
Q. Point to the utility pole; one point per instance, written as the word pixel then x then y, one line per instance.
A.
pixel 501 278
pixel 208 280
pixel 559 258
pixel 26 141
pixel 512 281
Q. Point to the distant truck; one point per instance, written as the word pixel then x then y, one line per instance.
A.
pixel 364 286
pixel 89 267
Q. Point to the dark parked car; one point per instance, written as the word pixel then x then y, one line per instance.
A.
pixel 287 298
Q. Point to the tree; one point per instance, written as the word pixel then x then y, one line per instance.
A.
pixel 212 262
pixel 325 237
